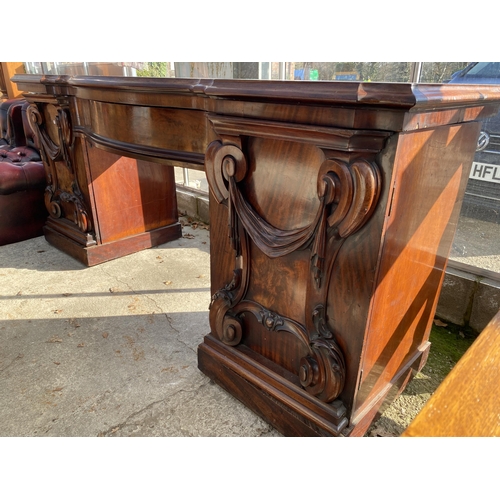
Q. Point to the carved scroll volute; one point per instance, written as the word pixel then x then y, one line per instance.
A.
pixel 224 163
pixel 50 152
pixel 366 191
pixel 48 148
pixel 63 124
pixel 349 195
pixel 55 139
pixel 322 373
pixel 351 191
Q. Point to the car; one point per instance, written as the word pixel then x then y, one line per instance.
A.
pixel 482 195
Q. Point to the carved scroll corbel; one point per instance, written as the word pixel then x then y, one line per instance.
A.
pixel 58 201
pixel 223 163
pixel 350 194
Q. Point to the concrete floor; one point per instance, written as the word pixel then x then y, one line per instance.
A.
pixel 111 350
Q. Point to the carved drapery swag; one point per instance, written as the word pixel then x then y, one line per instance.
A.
pixel 348 195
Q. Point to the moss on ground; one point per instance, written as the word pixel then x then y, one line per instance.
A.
pixel 448 344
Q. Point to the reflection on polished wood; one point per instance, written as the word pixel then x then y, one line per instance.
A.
pixel 467 403
pixel 332 206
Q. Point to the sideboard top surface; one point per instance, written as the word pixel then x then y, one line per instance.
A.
pixel 396 95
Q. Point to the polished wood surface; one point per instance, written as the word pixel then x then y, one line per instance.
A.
pixel 467 403
pixel 332 208
pixel 432 171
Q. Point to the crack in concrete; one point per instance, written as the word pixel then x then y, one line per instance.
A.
pixel 140 425
pixel 116 278
pixel 170 323
pixel 19 356
pixel 185 345
pixel 151 299
pixel 115 428
pixel 169 319
pixel 161 311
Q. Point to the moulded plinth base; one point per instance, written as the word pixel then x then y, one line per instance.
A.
pixel 286 406
pixel 251 379
pixel 97 254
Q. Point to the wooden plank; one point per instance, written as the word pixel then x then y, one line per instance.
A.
pixel 9 69
pixel 467 403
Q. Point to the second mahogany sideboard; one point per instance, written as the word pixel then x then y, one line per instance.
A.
pixel 333 208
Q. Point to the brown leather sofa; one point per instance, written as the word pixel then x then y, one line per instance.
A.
pixel 22 176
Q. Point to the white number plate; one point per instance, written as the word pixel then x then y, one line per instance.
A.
pixel 485 172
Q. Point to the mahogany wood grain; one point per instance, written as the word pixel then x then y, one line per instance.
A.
pixel 133 196
pixel 332 209
pixel 430 174
pixel 467 402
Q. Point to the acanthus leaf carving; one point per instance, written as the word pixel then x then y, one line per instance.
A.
pixel 271 320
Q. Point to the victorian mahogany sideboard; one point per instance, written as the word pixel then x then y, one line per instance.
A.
pixel 333 207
